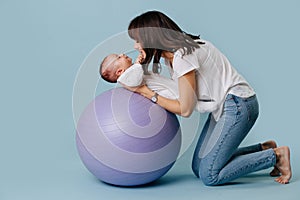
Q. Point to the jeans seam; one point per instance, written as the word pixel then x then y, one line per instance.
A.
pixel 245 167
pixel 219 146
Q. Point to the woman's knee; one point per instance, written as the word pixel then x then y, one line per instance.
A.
pixel 195 167
pixel 208 176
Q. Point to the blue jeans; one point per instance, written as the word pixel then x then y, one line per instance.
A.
pixel 217 157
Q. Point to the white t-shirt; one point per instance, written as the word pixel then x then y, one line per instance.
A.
pixel 134 76
pixel 215 77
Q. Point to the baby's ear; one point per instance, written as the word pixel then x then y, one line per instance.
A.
pixel 119 71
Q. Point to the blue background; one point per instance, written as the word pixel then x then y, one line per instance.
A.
pixel 42 46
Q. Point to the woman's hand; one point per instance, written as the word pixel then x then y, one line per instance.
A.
pixel 184 105
pixel 142 90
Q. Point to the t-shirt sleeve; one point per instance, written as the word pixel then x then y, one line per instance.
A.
pixel 183 64
pixel 133 76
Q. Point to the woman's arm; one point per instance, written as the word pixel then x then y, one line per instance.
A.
pixel 185 104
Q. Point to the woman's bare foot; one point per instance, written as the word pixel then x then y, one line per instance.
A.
pixel 283 164
pixel 275 172
pixel 268 145
pixel 271 144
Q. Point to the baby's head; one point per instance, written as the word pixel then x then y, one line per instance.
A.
pixel 113 66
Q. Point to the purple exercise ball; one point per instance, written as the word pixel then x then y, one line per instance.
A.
pixel 124 139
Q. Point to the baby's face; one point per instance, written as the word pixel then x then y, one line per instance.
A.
pixel 121 61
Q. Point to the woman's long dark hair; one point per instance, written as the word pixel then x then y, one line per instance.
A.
pixel 156 33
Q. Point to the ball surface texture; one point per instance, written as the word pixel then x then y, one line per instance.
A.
pixel 125 139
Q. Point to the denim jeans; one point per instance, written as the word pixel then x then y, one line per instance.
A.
pixel 217 158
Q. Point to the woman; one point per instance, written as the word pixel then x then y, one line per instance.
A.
pixel 208 83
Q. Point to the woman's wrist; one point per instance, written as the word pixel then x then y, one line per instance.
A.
pixel 151 94
pixel 146 92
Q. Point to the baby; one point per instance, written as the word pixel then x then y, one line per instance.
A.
pixel 119 68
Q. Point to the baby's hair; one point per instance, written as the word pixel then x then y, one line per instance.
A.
pixel 106 71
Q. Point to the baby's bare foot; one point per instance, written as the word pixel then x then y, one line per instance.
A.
pixel 268 145
pixel 283 164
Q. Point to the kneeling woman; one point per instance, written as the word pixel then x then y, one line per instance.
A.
pixel 207 82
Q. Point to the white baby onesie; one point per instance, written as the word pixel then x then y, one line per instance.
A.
pixel 134 76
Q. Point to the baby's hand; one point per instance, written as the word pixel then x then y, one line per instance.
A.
pixel 139 59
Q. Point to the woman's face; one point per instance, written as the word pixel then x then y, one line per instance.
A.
pixel 139 48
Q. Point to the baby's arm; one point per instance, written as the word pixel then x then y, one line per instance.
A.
pixel 133 76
